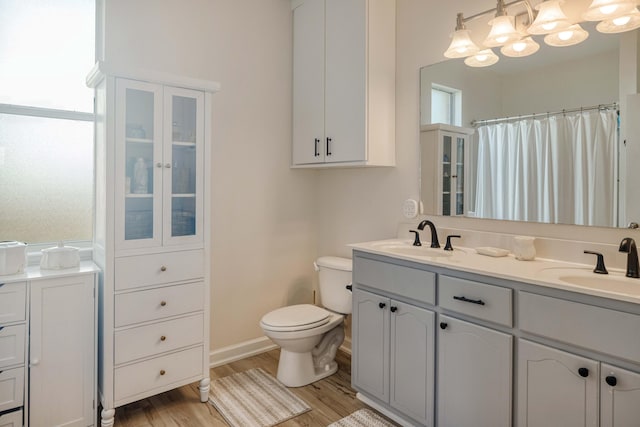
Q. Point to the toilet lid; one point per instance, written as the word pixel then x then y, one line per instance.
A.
pixel 295 318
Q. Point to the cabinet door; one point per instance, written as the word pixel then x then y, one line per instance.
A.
pixel 452 152
pixel 138 165
pixel 345 93
pixel 183 162
pixel 619 397
pixel 308 83
pixel 370 359
pixel 458 186
pixel 62 352
pixel 474 371
pixel 555 388
pixel 412 361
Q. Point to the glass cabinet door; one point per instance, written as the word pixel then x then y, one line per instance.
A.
pixel 184 155
pixel 138 154
pixel 446 174
pixel 459 176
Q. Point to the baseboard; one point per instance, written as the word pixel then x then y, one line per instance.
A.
pixel 239 351
pixel 375 405
pixel 346 345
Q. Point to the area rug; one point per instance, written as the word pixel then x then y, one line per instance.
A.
pixel 362 418
pixel 254 398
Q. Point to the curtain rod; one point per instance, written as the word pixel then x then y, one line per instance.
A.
pixel 476 123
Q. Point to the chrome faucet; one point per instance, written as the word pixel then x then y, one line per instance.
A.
pixel 628 245
pixel 434 235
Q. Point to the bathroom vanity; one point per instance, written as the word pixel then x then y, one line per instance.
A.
pixel 48 358
pixel 460 339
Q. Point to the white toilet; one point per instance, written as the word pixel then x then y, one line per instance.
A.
pixel 308 335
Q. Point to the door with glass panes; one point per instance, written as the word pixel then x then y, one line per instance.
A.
pixel 159 165
pixel 452 168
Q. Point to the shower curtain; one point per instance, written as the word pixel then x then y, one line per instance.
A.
pixel 556 169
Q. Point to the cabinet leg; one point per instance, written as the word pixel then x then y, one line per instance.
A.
pixel 204 389
pixel 108 417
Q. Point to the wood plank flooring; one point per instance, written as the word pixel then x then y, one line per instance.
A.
pixel 330 399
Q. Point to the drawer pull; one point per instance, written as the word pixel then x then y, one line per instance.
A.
pixel 382 305
pixel 1 328
pixel 162 372
pixel 583 372
pixel 163 268
pixel 611 380
pixel 1 285
pixel 163 338
pixel 163 303
pixel 472 301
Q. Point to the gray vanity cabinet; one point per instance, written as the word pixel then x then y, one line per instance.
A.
pixel 619 397
pixel 393 340
pixel 474 375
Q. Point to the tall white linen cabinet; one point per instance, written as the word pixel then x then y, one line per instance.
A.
pixel 151 235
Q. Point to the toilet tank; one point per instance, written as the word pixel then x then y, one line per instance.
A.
pixel 334 276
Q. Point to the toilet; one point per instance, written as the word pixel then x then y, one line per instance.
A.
pixel 308 335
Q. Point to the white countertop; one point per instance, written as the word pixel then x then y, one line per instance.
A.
pixel 542 272
pixel 34 272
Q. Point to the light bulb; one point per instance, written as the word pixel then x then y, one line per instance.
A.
pixel 608 9
pixel 623 20
pixel 565 35
pixel 519 46
pixel 549 26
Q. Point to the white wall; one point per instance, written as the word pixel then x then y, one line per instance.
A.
pixel 263 238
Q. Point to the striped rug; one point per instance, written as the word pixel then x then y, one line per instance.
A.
pixel 254 398
pixel 362 418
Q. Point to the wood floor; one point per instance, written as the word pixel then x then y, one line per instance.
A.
pixel 330 399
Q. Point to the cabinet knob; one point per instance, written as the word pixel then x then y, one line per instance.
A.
pixel 163 303
pixel 583 372
pixel 34 362
pixel 167 165
pixel 162 372
pixel 382 305
pixel 611 380
pixel 158 165
pixel 443 325
pixel 393 309
pixel 163 338
pixel 163 268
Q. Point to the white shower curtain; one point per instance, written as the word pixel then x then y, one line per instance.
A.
pixel 557 169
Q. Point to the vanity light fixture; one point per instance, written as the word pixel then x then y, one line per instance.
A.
pixel 484 58
pixel 503 28
pixel 518 49
pixel 571 36
pixel 626 22
pixel 550 18
pixel 608 9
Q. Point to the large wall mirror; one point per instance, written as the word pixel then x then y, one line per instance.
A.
pixel 551 156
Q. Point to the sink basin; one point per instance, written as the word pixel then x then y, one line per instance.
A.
pixel 408 249
pixel 586 278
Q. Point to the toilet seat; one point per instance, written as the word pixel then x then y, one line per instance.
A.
pixel 295 318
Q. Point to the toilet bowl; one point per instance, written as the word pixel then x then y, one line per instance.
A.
pixel 309 336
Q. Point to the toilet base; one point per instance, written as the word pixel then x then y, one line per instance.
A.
pixel 297 370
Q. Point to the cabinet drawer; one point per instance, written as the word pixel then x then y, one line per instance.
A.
pixel 405 281
pixel 11 388
pixel 145 270
pixel 153 375
pixel 487 302
pixel 12 341
pixel 161 337
pixel 596 328
pixel 13 300
pixel 153 304
pixel 11 419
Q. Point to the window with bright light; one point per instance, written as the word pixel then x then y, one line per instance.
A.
pixel 446 105
pixel 46 120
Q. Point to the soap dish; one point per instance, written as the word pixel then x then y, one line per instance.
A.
pixel 494 252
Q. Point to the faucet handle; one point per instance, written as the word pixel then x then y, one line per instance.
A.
pixel 600 268
pixel 447 246
pixel 416 241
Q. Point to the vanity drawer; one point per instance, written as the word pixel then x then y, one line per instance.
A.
pixel 152 376
pixel 405 281
pixel 587 326
pixel 12 341
pixel 159 303
pixel 160 337
pixel 482 301
pixel 13 302
pixel 155 269
pixel 11 388
pixel 11 419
